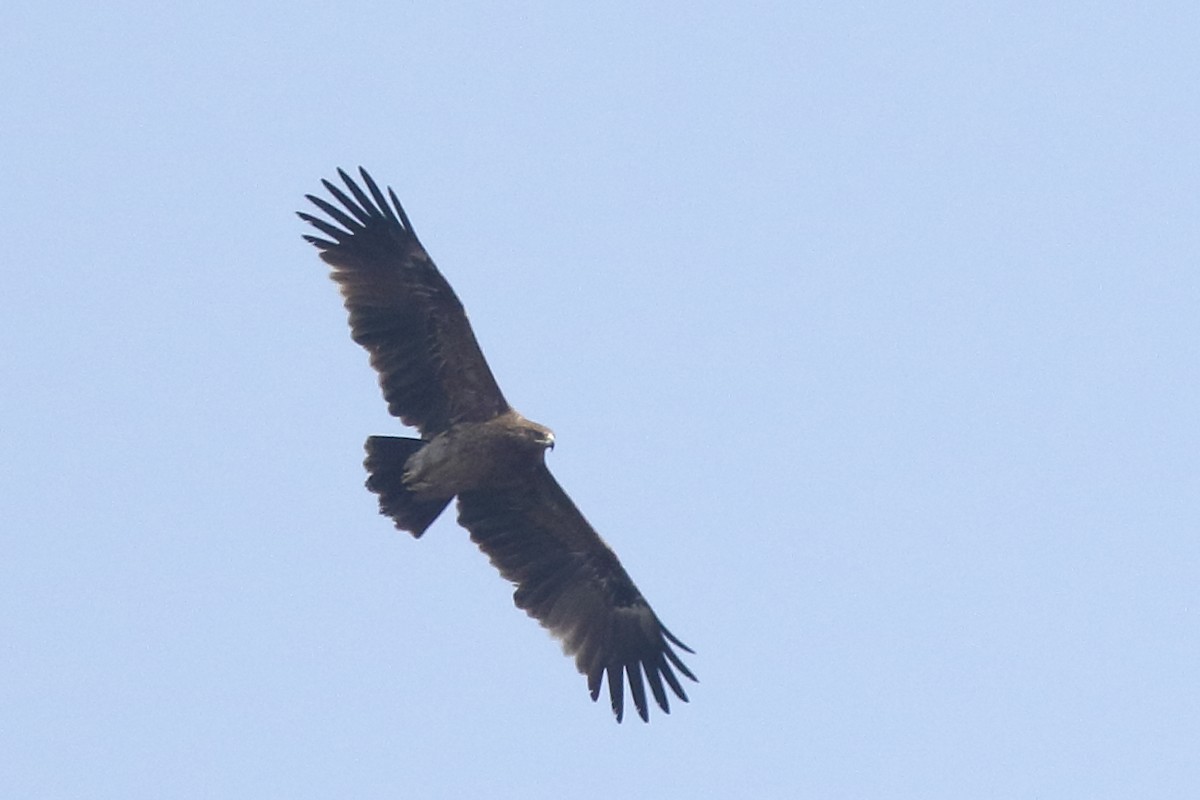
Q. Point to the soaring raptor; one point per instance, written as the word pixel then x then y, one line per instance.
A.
pixel 474 446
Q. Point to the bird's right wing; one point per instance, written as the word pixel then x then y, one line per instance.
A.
pixel 403 311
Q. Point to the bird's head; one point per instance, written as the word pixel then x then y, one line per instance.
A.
pixel 530 434
pixel 544 437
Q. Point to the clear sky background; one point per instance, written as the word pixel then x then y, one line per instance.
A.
pixel 870 334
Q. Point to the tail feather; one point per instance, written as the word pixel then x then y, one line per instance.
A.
pixel 386 457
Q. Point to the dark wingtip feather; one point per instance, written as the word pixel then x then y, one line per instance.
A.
pixel 400 210
pixel 637 689
pixel 324 227
pixel 380 201
pixel 335 213
pixel 319 242
pixel 655 680
pixel 616 691
pixel 359 194
pixel 676 687
pixel 674 640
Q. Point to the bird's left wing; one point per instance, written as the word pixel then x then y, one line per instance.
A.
pixel 569 580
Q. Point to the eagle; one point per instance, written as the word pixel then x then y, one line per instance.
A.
pixel 474 446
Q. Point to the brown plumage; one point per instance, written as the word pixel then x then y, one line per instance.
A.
pixel 476 447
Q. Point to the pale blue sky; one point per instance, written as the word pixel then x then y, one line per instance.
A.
pixel 870 334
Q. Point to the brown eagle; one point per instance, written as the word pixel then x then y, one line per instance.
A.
pixel 476 447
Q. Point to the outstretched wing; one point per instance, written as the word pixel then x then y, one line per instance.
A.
pixel 571 582
pixel 403 311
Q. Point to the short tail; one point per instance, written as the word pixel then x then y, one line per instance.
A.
pixel 386 457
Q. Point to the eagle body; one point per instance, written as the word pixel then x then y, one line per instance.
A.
pixel 477 455
pixel 475 447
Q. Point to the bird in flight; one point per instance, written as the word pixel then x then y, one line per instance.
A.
pixel 474 446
